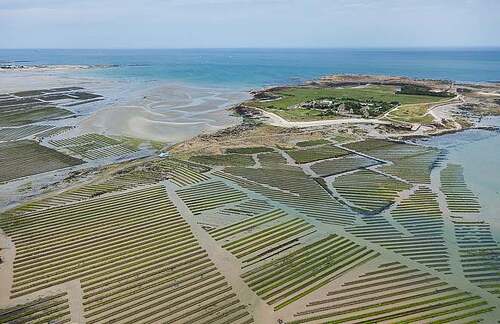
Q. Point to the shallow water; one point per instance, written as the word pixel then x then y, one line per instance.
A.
pixel 478 151
pixel 248 68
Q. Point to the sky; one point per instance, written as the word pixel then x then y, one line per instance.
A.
pixel 248 23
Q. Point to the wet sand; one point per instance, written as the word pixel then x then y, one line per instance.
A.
pixel 160 111
pixel 168 113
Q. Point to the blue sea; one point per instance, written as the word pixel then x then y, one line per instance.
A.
pixel 250 68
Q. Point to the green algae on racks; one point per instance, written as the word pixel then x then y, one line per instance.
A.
pixel 459 197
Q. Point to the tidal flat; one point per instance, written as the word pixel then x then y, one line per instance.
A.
pixel 187 204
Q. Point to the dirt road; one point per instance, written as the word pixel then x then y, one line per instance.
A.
pixel 275 120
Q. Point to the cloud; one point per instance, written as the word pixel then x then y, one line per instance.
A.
pixel 247 23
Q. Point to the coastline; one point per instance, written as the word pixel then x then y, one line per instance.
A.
pixel 235 165
pixel 144 109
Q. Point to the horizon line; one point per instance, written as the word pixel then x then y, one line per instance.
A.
pixel 258 48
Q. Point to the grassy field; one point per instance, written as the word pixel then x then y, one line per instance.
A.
pixel 414 113
pixel 25 158
pixel 294 96
pixel 299 114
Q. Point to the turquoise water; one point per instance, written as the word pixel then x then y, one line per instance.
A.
pixel 249 68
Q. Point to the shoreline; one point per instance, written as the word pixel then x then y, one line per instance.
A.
pixel 142 109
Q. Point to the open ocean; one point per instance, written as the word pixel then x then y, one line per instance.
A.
pixel 250 68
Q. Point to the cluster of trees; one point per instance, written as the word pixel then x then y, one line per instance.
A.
pixel 411 89
pixel 350 106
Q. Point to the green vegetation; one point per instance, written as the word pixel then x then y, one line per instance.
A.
pixel 369 191
pixel 132 142
pixel 342 138
pixel 312 143
pixel 245 209
pixel 411 89
pixel 336 166
pixel 294 96
pixel 429 250
pixel 23 116
pixel 410 162
pixel 256 239
pixel 24 158
pixel 17 133
pixel 272 224
pixel 416 113
pixel 52 309
pixel 291 187
pixel 136 143
pixel 157 145
pixel 298 274
pixel 373 147
pixel 273 160
pixel 459 197
pixel 224 160
pixel 348 106
pixel 135 256
pixel 479 251
pixel 415 167
pixel 301 114
pixel 209 195
pixel 27 107
pixel 414 297
pixel 316 153
pixel 242 227
pixel 53 132
pixel 93 146
pixel 249 150
pixel 151 172
pixel 420 215
pixel 291 97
